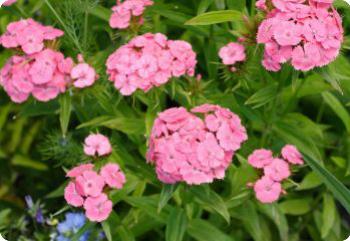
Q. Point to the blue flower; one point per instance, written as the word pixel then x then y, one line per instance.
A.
pixel 70 226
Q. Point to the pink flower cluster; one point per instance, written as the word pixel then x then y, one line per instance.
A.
pixel 9 2
pixel 39 71
pixel 231 54
pixel 268 189
pixel 149 60
pixel 127 11
pixel 97 144
pixel 44 75
pixel 185 147
pixel 86 189
pixel 308 34
pixel 28 35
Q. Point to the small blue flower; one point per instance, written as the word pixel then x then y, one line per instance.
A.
pixel 70 226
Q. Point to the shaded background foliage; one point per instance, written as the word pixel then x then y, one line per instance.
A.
pixel 39 141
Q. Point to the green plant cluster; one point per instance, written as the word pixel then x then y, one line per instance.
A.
pixel 40 141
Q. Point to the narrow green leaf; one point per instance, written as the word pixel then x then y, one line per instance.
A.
pixel 165 195
pixel 24 161
pixel 338 109
pixel 176 225
pixel 107 230
pixel 101 12
pixel 328 215
pixel 215 17
pixel 341 193
pixel 276 215
pixel 263 96
pixel 204 231
pixel 311 180
pixel 65 112
pixel 204 5
pixel 207 197
pixel 296 206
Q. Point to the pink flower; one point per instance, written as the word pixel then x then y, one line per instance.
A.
pixel 9 2
pixel 28 34
pixel 261 4
pixel 260 158
pixel 148 61
pixel 72 196
pixel 186 148
pixel 98 208
pixel 97 144
pixel 84 75
pixel 113 176
pixel 40 74
pixel 90 183
pixel 291 154
pixel 267 190
pixel 287 33
pixel 277 170
pixel 124 12
pixel 77 171
pixel 232 53
pixel 309 33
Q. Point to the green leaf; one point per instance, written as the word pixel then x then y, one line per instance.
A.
pixel 341 193
pixel 207 197
pixel 126 125
pixel 338 109
pixel 101 12
pixel 215 17
pixel 311 180
pixel 328 214
pixel 296 206
pixel 204 5
pixel 204 231
pixel 107 230
pixel 24 161
pixel 276 215
pixel 65 112
pixel 165 195
pixel 263 96
pixel 176 225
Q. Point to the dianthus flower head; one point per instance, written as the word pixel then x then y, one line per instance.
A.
pixel 306 33
pixel 72 195
pixel 98 208
pixel 113 176
pixel 149 60
pixel 291 154
pixel 277 170
pixel 124 12
pixel 232 53
pixel 89 183
pixel 44 75
pixel 83 74
pixel 29 35
pixel 260 158
pixel 97 145
pixel 267 190
pixel 187 148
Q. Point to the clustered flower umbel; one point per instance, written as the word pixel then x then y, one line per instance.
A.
pixel 187 148
pixel 232 53
pixel 268 188
pixel 39 71
pixel 124 13
pixel 87 187
pixel 306 33
pixel 149 60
